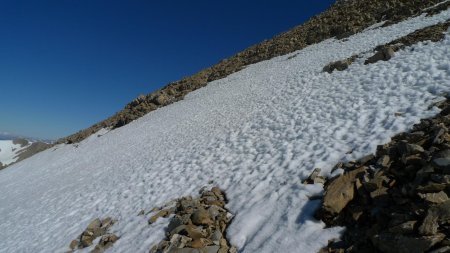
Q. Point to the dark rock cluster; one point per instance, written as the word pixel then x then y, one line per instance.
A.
pixel 198 225
pixel 341 20
pixel 97 228
pixel 398 199
pixel 432 33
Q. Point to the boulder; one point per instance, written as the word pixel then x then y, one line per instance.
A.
pixel 435 215
pixel 201 217
pixel 340 191
pixel 435 198
pixel 384 161
pixel 384 54
pixel 408 149
pixel 338 65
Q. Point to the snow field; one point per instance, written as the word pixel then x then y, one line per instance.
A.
pixel 256 134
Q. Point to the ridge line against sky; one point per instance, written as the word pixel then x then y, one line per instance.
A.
pixel 67 64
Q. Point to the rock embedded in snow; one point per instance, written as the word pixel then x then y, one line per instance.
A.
pixel 338 65
pixel 94 230
pixel 106 241
pixel 315 178
pixel 384 54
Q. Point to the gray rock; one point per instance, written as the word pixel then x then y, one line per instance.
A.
pixel 395 243
pixel 384 161
pixel 404 228
pixel 192 231
pixel 178 241
pixel 435 215
pixel 429 225
pixel 216 237
pixel 443 164
pixel 163 213
pixel 201 217
pixel 340 192
pixel 366 159
pixel 338 65
pixel 431 187
pixel 384 54
pixel 408 149
pixel 177 221
pixel 161 99
pixel 105 242
pixel 95 224
pixel 86 240
pixel 436 198
pixel 441 179
pixel 437 135
pixel 314 178
pixel 74 244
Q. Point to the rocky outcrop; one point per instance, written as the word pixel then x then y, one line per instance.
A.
pixel 198 225
pixel 340 20
pixel 398 199
pixel 432 33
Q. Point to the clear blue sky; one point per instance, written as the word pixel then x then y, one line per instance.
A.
pixel 67 64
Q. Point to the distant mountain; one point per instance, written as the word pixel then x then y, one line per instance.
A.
pixel 14 148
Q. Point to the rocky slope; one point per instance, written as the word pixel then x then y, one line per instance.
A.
pixel 396 200
pixel 341 20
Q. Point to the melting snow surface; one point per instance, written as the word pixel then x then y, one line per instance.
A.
pixel 256 134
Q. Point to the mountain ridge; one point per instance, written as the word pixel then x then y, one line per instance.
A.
pixel 341 20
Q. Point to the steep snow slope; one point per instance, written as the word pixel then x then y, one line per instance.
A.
pixel 256 133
